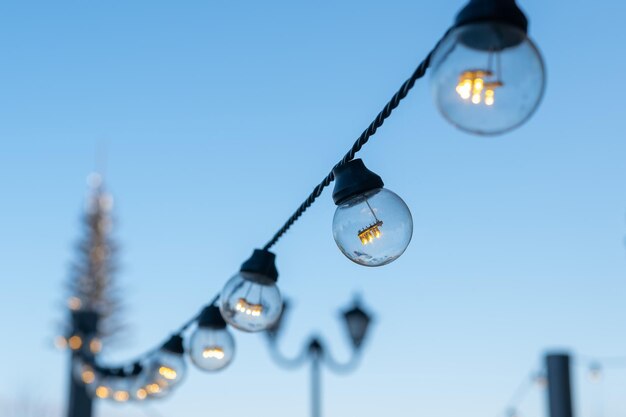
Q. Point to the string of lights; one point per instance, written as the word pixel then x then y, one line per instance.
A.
pixel 487 50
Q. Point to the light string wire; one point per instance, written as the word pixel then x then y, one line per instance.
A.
pixel 383 115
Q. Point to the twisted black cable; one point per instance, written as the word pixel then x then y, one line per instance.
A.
pixel 358 144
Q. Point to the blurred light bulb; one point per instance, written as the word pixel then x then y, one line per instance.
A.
pixel 102 392
pixel 251 301
pixel 75 342
pixel 211 346
pixel 95 345
pixel 60 342
pixel 488 50
pixel 167 367
pixel 74 303
pixel 372 226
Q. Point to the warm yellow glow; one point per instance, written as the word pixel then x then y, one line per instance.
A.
pixel 167 373
pixel 75 342
pixel 243 306
pixel 213 352
pixel 60 342
pixel 121 396
pixel 95 345
pixel 88 376
pixel 473 86
pixel 74 303
pixel 141 394
pixel 102 392
pixel 153 388
pixel 371 232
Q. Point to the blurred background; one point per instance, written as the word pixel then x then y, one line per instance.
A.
pixel 216 119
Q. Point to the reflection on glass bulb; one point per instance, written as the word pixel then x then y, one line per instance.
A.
pixel 475 61
pixel 373 228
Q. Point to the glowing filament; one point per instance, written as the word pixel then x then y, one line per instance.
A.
pixel 243 306
pixel 371 232
pixel 473 86
pixel 167 373
pixel 213 352
pixel 121 396
pixel 102 392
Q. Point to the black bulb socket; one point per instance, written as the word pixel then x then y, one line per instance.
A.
pixel 262 267
pixel 174 345
pixel 497 12
pixel 211 318
pixel 352 179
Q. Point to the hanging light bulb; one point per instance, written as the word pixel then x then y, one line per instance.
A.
pixel 372 226
pixel 250 301
pixel 487 75
pixel 211 347
pixel 167 367
pixel 137 383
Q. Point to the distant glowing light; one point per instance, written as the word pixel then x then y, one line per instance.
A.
pixel 75 342
pixel 102 392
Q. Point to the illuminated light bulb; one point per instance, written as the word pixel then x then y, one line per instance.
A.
pixel 95 345
pixel 75 342
pixel 167 367
pixel 102 392
pixel 74 303
pixel 121 396
pixel 211 347
pixel 251 301
pixel 487 49
pixel 88 376
pixel 372 226
pixel 141 394
pixel 60 342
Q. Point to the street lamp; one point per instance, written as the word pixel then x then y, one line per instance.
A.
pixel 356 322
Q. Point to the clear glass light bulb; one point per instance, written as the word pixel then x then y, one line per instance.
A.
pixel 373 228
pixel 211 349
pixel 487 78
pixel 250 302
pixel 166 369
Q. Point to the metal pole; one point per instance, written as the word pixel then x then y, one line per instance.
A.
pixel 80 404
pixel 559 386
pixel 315 350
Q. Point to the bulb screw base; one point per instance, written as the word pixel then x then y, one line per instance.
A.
pixel 352 179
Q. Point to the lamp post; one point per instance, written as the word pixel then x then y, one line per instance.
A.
pixel 85 324
pixel 356 321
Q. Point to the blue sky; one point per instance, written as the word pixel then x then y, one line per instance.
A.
pixel 218 119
